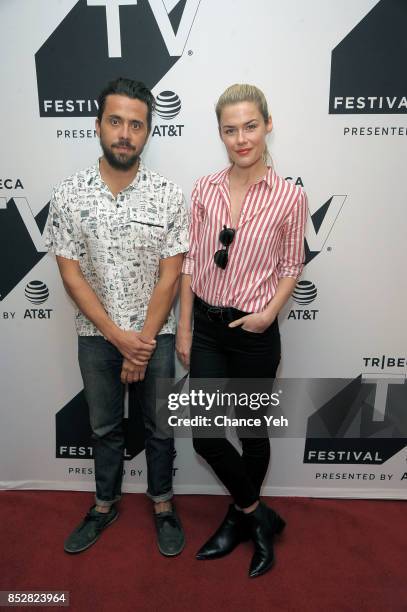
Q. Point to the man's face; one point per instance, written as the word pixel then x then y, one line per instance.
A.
pixel 122 131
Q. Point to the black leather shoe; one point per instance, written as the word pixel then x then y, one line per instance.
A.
pixel 231 532
pixel 264 525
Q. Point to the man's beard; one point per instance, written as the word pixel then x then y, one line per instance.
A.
pixel 120 161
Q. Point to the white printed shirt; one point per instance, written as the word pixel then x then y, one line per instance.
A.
pixel 118 241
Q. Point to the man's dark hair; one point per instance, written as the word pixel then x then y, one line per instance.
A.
pixel 136 90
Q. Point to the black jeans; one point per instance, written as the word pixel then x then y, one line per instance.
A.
pixel 219 351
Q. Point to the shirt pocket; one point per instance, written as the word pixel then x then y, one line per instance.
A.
pixel 141 234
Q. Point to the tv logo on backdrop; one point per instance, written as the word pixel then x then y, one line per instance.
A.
pixel 319 227
pixel 74 433
pixel 320 223
pixel 366 69
pixel 100 40
pixel 365 423
pixel 21 241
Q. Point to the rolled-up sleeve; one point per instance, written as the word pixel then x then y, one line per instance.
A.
pixel 176 238
pixel 61 238
pixel 291 251
pixel 195 225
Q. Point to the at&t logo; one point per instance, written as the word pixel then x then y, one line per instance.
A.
pixel 37 293
pixel 304 294
pixel 168 106
pixel 319 227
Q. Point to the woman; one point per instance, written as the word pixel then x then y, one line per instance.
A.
pixel 246 254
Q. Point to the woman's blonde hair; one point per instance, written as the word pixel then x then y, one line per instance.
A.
pixel 243 92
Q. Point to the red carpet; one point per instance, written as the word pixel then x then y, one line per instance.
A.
pixel 335 555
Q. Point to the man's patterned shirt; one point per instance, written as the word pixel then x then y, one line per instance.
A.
pixel 118 241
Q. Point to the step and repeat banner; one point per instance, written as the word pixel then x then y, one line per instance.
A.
pixel 333 75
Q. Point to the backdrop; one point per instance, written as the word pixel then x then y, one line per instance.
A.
pixel 333 74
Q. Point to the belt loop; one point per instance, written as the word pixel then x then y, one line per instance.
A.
pixel 226 316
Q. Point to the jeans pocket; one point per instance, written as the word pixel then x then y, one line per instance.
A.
pixel 252 333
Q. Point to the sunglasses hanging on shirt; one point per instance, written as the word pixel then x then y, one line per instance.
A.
pixel 226 238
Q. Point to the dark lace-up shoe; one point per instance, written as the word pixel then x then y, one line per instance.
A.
pixel 89 530
pixel 170 535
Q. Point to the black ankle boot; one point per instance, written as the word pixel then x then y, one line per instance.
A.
pixel 264 525
pixel 231 532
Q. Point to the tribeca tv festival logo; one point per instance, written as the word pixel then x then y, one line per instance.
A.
pixel 389 365
pixel 319 227
pixel 21 241
pixel 99 40
pixel 365 423
pixel 365 71
pixel 73 439
pixel 366 74
pixel 74 434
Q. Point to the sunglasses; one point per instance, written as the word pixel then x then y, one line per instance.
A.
pixel 226 238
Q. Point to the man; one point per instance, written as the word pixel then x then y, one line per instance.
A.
pixel 118 231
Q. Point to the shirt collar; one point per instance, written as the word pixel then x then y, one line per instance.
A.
pixel 96 177
pixel 223 176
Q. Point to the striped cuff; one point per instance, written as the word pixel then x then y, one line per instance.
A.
pixel 188 265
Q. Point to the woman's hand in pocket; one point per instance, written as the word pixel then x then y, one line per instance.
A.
pixel 255 323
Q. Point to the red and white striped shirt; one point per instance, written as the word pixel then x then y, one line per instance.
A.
pixel 268 243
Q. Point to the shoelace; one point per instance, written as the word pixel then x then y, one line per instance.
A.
pixel 168 518
pixel 92 517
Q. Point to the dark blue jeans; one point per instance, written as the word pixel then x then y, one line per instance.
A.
pixel 100 364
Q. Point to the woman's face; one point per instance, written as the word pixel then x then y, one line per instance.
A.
pixel 243 132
